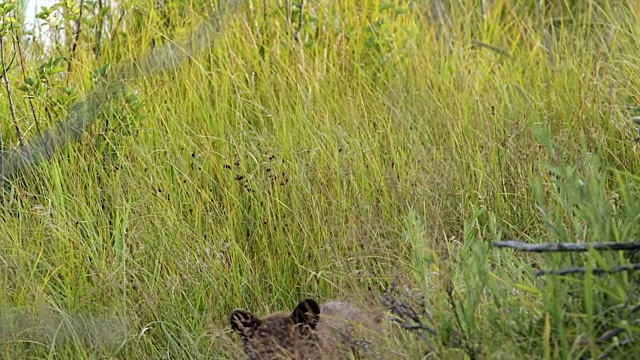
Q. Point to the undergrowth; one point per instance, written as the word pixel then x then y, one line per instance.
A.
pixel 320 149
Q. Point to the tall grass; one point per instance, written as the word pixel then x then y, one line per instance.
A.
pixel 326 154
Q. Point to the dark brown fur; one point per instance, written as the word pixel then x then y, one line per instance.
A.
pixel 330 331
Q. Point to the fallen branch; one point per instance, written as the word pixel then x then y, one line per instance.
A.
pixel 609 335
pixel 559 247
pixel 582 270
pixel 621 344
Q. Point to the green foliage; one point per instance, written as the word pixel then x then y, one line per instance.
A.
pixel 320 148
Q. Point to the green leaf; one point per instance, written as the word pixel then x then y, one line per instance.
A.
pixel 55 61
pixel 44 14
pixel 9 7
pixel 57 69
pixel 102 71
pixel 104 11
pixel 400 11
pixel 386 6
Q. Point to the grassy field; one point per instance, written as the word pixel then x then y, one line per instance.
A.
pixel 329 153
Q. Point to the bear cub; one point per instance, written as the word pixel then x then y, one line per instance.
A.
pixel 334 330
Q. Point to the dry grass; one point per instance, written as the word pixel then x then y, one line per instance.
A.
pixel 326 160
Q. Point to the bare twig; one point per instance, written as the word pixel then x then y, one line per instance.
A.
pixel 622 343
pixel 406 315
pixel 572 247
pixel 12 108
pixel 99 29
pixel 609 335
pixel 471 352
pixel 559 247
pixel 116 26
pixel 612 334
pixel 76 38
pixel 595 270
pixel 8 66
pixel 24 77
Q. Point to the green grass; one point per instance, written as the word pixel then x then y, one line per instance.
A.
pixel 378 146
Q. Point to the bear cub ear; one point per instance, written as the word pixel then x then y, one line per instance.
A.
pixel 244 323
pixel 306 313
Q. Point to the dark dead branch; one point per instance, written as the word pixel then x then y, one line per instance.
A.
pixel 582 270
pixel 610 335
pixel 406 314
pixel 12 109
pixel 607 336
pixel 567 247
pixel 608 352
pixel 76 38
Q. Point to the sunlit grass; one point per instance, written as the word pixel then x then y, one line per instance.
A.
pixel 374 146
